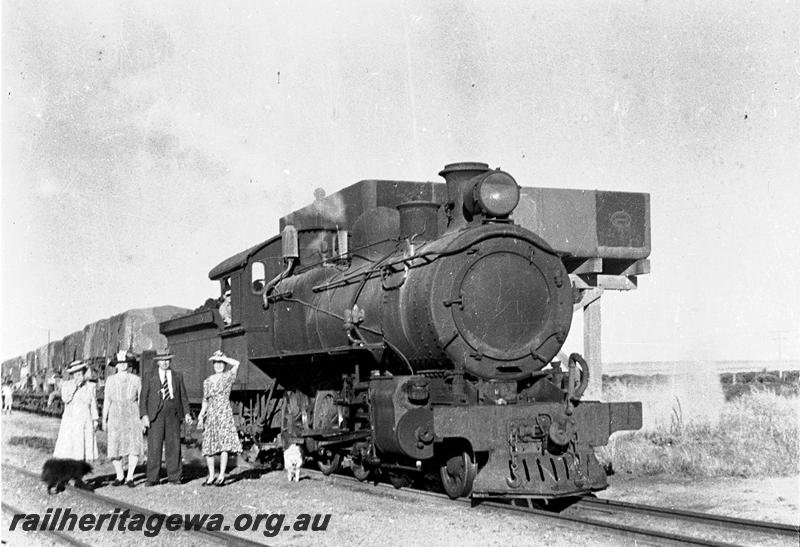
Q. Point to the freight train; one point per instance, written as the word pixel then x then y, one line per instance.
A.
pixel 36 374
pixel 410 328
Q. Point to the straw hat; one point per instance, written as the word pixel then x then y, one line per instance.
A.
pixel 76 366
pixel 122 357
pixel 163 356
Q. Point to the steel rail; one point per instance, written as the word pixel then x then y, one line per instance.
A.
pixel 666 538
pixel 60 536
pixel 226 539
pixel 763 527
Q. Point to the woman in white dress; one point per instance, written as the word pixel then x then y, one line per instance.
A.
pixel 76 435
pixel 8 396
pixel 121 419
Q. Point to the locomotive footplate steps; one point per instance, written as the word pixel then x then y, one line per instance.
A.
pixel 540 451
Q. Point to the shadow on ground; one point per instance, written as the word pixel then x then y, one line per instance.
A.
pixel 194 468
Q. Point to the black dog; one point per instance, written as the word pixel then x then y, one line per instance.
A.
pixel 59 472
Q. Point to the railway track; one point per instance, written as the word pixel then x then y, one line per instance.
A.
pixel 184 536
pixel 640 522
pixel 54 535
pixel 720 521
pixel 610 516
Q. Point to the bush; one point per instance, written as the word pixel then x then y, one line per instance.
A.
pixel 754 435
pixel 769 383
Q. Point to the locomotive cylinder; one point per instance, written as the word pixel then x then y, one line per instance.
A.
pixel 403 424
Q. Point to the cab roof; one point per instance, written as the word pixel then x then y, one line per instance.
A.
pixel 238 261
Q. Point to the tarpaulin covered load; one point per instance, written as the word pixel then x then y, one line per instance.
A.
pixel 95 339
pixel 57 359
pixel 11 368
pixel 137 330
pixel 73 346
pixel 31 360
pixel 42 358
pixel 134 330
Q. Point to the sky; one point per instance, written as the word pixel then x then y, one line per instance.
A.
pixel 144 142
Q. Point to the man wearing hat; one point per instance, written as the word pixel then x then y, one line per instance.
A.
pixel 163 406
pixel 225 308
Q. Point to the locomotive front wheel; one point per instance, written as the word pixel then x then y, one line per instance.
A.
pixel 329 462
pixel 457 474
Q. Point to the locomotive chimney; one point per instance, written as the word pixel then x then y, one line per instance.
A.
pixel 457 175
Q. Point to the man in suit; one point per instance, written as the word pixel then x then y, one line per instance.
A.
pixel 163 406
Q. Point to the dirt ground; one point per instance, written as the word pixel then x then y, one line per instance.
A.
pixel 774 499
pixel 367 516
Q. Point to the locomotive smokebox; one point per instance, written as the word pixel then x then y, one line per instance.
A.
pixel 457 176
pixel 500 303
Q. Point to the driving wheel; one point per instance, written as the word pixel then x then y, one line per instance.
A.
pixel 326 418
pixel 294 416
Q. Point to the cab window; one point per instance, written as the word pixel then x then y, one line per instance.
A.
pixel 258 277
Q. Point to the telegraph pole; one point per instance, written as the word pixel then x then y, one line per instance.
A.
pixel 777 335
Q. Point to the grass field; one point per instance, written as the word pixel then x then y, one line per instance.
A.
pixel 690 429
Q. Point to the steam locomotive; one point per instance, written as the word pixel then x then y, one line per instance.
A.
pixel 410 328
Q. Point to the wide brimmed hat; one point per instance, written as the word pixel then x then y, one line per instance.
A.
pixel 76 366
pixel 218 356
pixel 164 356
pixel 122 357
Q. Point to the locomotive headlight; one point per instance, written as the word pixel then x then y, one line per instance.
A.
pixel 495 194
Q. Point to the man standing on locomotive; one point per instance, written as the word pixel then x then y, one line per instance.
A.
pixel 163 406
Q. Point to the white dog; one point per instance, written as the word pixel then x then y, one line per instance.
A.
pixel 292 462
